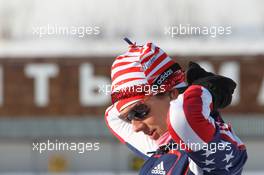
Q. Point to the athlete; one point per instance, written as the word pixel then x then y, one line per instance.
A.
pixel 172 123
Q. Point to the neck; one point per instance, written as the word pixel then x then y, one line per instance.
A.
pixel 164 139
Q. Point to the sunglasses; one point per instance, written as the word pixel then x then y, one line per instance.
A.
pixel 139 112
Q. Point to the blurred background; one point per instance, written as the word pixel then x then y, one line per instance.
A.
pixel 55 60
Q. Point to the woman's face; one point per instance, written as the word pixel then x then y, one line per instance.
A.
pixel 154 123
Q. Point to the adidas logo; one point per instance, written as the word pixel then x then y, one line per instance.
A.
pixel 159 169
pixel 164 76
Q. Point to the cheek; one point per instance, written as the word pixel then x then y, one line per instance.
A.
pixel 151 120
pixel 158 112
pixel 156 118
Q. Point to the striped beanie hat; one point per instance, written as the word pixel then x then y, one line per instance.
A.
pixel 142 71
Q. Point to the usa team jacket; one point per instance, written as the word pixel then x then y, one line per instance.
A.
pixel 201 144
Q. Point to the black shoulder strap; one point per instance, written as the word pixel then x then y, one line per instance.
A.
pixel 164 149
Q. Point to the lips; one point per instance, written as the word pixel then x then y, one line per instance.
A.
pixel 154 135
pixel 151 132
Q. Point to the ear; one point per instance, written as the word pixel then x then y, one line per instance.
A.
pixel 174 94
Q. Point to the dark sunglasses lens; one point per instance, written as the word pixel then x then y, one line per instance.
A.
pixel 138 113
pixel 130 116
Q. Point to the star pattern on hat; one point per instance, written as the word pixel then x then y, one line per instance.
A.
pixel 208 153
pixel 208 169
pixel 208 162
pixel 228 157
pixel 228 166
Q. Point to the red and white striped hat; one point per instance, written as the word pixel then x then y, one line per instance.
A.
pixel 143 70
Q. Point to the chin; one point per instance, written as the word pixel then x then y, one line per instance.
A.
pixel 155 135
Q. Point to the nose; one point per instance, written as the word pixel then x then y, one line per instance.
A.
pixel 138 126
